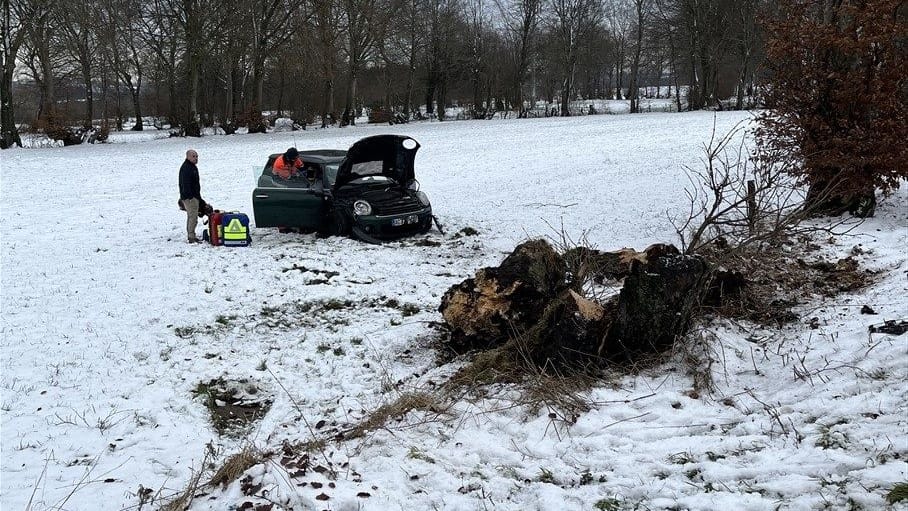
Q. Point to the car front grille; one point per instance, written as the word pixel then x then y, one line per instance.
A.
pixel 396 206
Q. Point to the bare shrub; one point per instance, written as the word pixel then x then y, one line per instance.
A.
pixel 737 198
pixel 749 217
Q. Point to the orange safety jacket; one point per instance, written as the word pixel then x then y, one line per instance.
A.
pixel 284 171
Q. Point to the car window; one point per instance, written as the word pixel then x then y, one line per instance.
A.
pixel 331 172
pixel 366 168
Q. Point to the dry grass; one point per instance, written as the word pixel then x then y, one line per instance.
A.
pixel 182 500
pixel 783 275
pixel 397 410
pixel 235 465
pixel 559 389
pixel 231 470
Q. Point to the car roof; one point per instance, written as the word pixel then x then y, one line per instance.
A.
pixel 316 156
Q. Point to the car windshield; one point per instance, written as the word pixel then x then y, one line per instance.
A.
pixel 331 172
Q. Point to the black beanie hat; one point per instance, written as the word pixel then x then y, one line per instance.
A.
pixel 292 153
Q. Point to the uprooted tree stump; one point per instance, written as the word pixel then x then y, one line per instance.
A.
pixel 484 311
pixel 531 306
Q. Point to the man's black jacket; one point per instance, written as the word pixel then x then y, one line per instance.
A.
pixel 189 181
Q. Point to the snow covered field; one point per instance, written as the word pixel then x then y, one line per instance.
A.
pixel 110 321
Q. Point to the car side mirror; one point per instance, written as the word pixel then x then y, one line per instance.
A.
pixel 413 185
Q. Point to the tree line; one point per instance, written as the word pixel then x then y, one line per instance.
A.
pixel 205 62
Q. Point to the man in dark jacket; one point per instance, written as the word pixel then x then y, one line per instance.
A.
pixel 190 193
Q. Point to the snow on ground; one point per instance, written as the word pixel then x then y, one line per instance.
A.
pixel 110 320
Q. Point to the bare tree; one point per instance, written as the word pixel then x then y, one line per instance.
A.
pixel 40 57
pixel 120 25
pixel 403 44
pixel 619 21
pixel 196 22
pixel 443 19
pixel 78 31
pixel 574 21
pixel 271 28
pixel 705 23
pixel 747 43
pixel 521 25
pixel 161 35
pixel 641 9
pixel 740 197
pixel 666 31
pixel 362 20
pixel 327 19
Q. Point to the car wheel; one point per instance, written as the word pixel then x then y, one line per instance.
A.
pixel 340 223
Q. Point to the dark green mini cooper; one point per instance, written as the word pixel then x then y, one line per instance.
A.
pixel 369 191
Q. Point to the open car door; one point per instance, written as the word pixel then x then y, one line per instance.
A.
pixel 294 202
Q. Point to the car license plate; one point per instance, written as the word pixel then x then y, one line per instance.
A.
pixel 410 219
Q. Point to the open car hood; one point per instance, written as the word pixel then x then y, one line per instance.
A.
pixel 390 156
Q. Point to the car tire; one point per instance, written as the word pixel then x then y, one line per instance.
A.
pixel 340 223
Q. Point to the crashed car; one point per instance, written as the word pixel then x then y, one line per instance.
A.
pixel 369 191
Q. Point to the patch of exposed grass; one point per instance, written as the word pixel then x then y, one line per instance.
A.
pixel 184 332
pixel 183 499
pixel 225 319
pixel 608 504
pixel 898 493
pixel 560 391
pixel 466 231
pixel 409 309
pixel 546 476
pixel 230 412
pixel 831 439
pixel 268 311
pixel 336 304
pixel 416 454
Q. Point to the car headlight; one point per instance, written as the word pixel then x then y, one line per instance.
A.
pixel 362 208
pixel 423 198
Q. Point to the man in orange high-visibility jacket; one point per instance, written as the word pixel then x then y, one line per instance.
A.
pixel 288 164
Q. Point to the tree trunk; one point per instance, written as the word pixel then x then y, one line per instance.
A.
pixel 328 105
pixel 619 76
pixel 193 92
pixel 9 135
pixel 89 96
pixel 430 96
pixel 567 87
pixel 259 73
pixel 440 101
pixel 47 84
pixel 349 117
pixel 119 106
pixel 137 108
pixel 633 91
